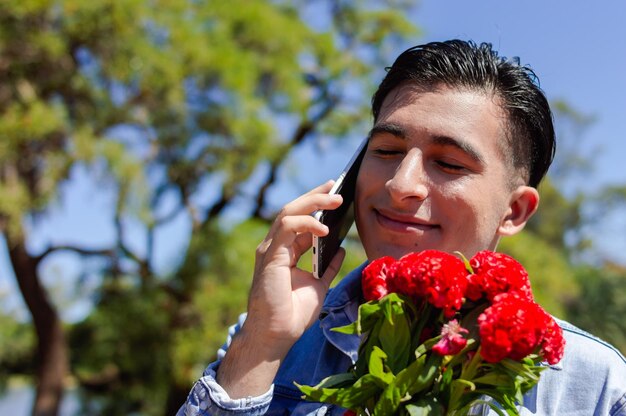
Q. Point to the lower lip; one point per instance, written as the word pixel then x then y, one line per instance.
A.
pixel 400 226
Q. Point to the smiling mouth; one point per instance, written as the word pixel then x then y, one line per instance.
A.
pixel 403 224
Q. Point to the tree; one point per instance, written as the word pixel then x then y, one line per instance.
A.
pixel 163 98
pixel 602 303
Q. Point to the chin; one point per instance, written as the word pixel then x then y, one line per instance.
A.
pixel 394 251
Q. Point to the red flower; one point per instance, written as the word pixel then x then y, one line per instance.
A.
pixel 496 273
pixel 452 340
pixel 514 327
pixel 349 413
pixel 376 277
pixel 438 277
pixel 553 345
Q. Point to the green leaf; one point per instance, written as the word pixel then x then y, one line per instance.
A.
pixel 350 329
pixel 395 338
pixel 478 402
pixel 425 407
pixel 426 375
pixel 369 314
pixel 376 365
pixel 366 348
pixel 499 411
pixel 493 379
pixel 350 397
pixel 337 381
pixel 462 355
pixel 466 262
pixel 426 346
pixel 443 385
pixel 458 388
pixel 418 376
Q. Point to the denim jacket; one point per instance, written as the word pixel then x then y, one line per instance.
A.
pixel 589 380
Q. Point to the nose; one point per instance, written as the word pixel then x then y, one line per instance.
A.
pixel 410 179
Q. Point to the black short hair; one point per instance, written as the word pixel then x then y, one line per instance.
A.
pixel 463 64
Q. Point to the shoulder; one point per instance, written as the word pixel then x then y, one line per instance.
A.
pixel 582 347
pixel 591 373
pixel 590 379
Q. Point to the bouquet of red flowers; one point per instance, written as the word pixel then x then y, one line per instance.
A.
pixel 440 334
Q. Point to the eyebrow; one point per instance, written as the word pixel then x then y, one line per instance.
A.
pixel 389 128
pixel 401 133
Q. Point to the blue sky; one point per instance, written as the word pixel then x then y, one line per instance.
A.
pixel 578 50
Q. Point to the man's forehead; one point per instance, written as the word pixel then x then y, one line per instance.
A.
pixel 457 101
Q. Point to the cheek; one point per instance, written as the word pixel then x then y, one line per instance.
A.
pixel 360 187
pixel 370 179
pixel 468 213
pixel 478 216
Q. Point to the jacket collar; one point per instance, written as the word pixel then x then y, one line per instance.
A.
pixel 348 291
pixel 341 308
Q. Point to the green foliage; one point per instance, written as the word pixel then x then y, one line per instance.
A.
pixel 601 306
pixel 16 348
pixel 615 194
pixel 159 98
pixel 556 215
pixel 552 276
pixel 221 296
pixel 121 348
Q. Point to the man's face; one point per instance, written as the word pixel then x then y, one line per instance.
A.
pixel 434 175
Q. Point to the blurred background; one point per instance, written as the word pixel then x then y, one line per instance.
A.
pixel 146 145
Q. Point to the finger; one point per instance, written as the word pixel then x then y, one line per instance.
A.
pixel 333 268
pixel 291 227
pixel 307 204
pixel 316 199
pixel 322 189
pixel 294 231
pixel 302 243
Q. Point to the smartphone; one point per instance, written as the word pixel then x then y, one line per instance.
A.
pixel 337 220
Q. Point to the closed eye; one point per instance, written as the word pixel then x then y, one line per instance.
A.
pixel 386 152
pixel 449 166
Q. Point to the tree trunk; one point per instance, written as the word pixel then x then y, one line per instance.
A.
pixel 52 356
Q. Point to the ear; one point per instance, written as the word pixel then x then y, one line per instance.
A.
pixel 522 205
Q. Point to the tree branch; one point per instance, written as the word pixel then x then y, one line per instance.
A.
pixel 144 264
pixel 305 128
pixel 218 207
pixel 169 216
pixel 79 250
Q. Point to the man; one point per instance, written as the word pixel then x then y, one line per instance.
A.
pixel 460 141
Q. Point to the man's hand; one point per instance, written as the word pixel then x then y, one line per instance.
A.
pixel 284 300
